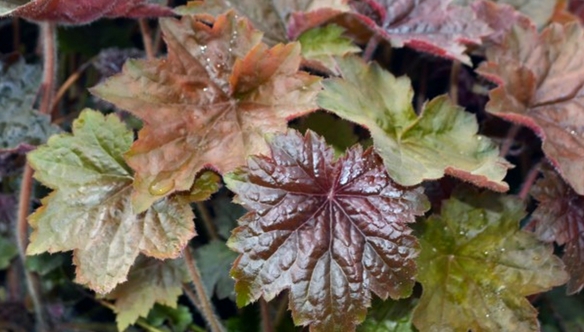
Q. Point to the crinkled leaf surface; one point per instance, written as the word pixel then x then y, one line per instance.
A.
pixel 21 127
pixel 269 16
pixel 209 103
pixel 80 11
pixel 559 217
pixel 477 266
pixel 442 139
pixel 214 260
pixel 320 45
pixel 540 11
pixel 330 231
pixel 433 26
pixel 149 281
pixel 90 210
pixel 541 79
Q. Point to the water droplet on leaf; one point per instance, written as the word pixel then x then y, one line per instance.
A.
pixel 161 187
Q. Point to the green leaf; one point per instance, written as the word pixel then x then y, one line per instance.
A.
pixel 206 184
pixel 8 251
pixel 337 132
pixel 90 210
pixel 477 266
pixel 389 316
pixel 178 318
pixel 441 140
pixel 226 215
pixel 21 127
pixel 150 281
pixel 215 260
pixel 44 263
pixel 320 45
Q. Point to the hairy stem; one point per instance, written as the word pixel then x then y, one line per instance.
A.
pixel 49 36
pixel 146 38
pixel 206 218
pixel 529 181
pixel 67 84
pixel 509 139
pixel 370 48
pixel 266 319
pixel 207 308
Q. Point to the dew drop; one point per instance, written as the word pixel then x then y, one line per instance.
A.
pixel 502 249
pixel 487 316
pixel 205 89
pixel 161 187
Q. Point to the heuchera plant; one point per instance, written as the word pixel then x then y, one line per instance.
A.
pixel 367 164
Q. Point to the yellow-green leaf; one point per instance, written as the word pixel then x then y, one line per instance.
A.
pixel 90 210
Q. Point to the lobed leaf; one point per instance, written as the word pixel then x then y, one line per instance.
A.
pixel 90 210
pixel 476 267
pixel 540 81
pixel 432 26
pixel 149 281
pixel 214 260
pixel 559 217
pixel 209 103
pixel 330 231
pixel 321 45
pixel 441 140
pixel 80 11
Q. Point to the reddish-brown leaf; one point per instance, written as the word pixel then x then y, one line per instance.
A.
pixel 331 231
pixel 559 217
pixel 209 103
pixel 541 80
pixel 433 26
pixel 81 11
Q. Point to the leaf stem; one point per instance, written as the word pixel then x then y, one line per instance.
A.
pixel 206 306
pixel 370 48
pixel 67 84
pixel 266 319
pixel 529 181
pixel 146 38
pixel 192 297
pixel 206 218
pixel 509 139
pixel 49 40
pixel 281 312
pixel 454 73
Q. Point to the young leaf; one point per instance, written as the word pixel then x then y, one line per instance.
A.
pixel 80 11
pixel 541 79
pixel 320 45
pixel 329 231
pixel 150 281
pixel 433 26
pixel 559 217
pixel 476 266
pixel 442 139
pixel 215 260
pixel 90 211
pixel 209 103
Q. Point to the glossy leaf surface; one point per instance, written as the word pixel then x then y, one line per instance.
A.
pixel 331 231
pixel 209 103
pixel 149 281
pixel 540 81
pixel 477 266
pixel 559 217
pixel 90 211
pixel 441 140
pixel 80 11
